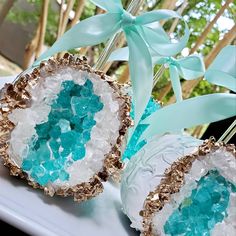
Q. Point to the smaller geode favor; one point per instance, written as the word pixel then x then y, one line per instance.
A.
pixel 178 186
pixel 62 127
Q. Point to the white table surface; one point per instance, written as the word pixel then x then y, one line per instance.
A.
pixel 34 213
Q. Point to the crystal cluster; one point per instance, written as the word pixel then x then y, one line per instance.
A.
pixel 62 139
pixel 135 144
pixel 207 206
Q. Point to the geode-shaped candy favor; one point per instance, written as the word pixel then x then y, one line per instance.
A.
pixel 175 187
pixel 62 127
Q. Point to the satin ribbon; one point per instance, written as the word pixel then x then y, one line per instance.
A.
pixel 199 110
pixel 189 68
pixel 202 109
pixel 223 69
pixel 140 36
pixel 190 112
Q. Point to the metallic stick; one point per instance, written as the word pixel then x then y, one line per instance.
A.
pixel 229 133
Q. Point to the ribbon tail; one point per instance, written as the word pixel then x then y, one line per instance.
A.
pixel 111 5
pixel 141 72
pixel 189 113
pixel 191 67
pixel 175 81
pixel 91 31
pixel 222 71
pixel 158 43
pixel 221 78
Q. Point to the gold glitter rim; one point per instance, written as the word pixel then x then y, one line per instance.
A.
pixel 174 180
pixel 15 95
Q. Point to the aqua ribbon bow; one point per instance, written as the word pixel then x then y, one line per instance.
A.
pixel 223 69
pixel 198 110
pixel 202 109
pixel 189 68
pixel 139 35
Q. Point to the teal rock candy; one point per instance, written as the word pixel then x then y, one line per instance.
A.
pixel 62 139
pixel 207 206
pixel 78 153
pixel 135 144
pixel 27 165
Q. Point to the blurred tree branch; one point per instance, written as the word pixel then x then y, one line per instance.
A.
pixel 228 39
pixel 78 13
pixel 29 54
pixel 169 4
pixel 60 19
pixel 42 30
pixel 65 17
pixel 180 11
pixel 5 9
pixel 124 77
pixel 34 48
pixel 209 27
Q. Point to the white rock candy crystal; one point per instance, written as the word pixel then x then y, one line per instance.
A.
pixel 103 135
pixel 228 226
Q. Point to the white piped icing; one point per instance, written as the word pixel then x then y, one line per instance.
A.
pixel 103 135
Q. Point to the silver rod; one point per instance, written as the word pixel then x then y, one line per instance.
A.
pixel 228 133
pixel 160 72
pixel 231 134
pixel 158 75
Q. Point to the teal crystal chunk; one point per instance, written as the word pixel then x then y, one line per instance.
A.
pixel 27 165
pixel 78 153
pixel 207 206
pixel 135 144
pixel 62 139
